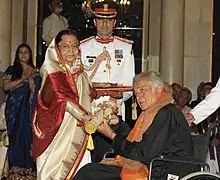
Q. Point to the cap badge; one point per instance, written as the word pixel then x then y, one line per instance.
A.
pixel 105 6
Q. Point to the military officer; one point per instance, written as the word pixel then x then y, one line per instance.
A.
pixel 107 59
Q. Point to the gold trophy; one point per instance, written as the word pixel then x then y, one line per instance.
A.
pixel 102 111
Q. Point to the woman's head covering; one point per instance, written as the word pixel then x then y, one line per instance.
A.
pixel 54 62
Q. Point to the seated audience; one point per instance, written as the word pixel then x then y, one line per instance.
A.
pixel 21 84
pixel 202 91
pixel 3 132
pixel 198 100
pixel 3 142
pixel 182 99
pixel 161 129
pixel 213 157
pixel 175 89
pixel 205 89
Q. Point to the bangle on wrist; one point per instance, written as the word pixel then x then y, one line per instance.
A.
pixel 83 116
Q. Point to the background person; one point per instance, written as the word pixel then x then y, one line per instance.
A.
pixel 21 84
pixel 54 23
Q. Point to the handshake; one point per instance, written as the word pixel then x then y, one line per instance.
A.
pixel 102 112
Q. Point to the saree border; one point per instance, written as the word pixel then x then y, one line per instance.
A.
pixel 76 164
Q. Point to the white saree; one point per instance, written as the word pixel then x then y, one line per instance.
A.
pixel 67 152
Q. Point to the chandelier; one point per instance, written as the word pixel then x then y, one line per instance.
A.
pixel 86 7
pixel 123 2
pixel 120 2
pixel 87 3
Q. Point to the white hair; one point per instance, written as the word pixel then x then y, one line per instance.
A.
pixel 152 77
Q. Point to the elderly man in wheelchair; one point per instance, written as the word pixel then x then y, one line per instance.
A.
pixel 159 147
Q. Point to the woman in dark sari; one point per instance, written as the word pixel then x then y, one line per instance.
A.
pixel 21 83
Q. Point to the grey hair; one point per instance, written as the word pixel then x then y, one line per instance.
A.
pixel 152 77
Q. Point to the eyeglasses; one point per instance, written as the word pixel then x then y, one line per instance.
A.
pixel 68 47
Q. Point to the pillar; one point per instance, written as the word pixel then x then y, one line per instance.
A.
pixel 172 41
pixel 5 34
pixel 18 22
pixel 145 36
pixel 32 6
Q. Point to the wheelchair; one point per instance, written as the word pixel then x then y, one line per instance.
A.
pixel 199 169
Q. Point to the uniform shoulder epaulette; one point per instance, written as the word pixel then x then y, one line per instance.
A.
pixel 124 39
pixel 87 39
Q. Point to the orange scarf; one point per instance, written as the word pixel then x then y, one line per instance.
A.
pixel 131 169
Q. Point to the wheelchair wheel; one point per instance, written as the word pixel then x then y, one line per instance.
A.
pixel 201 176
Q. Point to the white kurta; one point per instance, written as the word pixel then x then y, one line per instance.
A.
pixel 209 105
pixel 52 25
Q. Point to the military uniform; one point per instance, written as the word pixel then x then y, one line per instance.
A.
pixel 119 69
pixel 122 61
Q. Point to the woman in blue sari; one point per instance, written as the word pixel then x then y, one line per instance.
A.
pixel 21 84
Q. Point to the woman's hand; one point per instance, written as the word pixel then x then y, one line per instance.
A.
pixel 27 73
pixel 86 118
pixel 31 83
pixel 32 87
pixel 24 77
pixel 106 130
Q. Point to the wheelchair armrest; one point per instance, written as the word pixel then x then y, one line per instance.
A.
pixel 110 152
pixel 178 160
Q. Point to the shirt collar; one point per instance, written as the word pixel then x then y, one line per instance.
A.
pixel 53 14
pixel 104 41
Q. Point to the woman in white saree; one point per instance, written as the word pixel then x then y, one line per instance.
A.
pixel 64 100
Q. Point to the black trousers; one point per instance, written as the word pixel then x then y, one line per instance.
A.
pixel 97 171
pixel 102 145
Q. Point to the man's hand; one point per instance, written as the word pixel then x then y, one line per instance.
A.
pixel 215 142
pixel 104 56
pixel 106 130
pixel 114 120
pixel 190 118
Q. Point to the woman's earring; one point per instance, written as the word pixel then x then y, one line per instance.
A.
pixel 78 60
